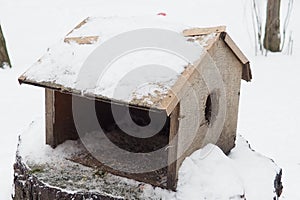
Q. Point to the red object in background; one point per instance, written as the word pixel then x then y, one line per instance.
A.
pixel 162 14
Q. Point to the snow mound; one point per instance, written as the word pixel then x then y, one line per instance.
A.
pixel 244 174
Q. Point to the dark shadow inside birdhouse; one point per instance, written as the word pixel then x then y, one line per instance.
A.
pixel 208 109
pixel 132 129
pixel 74 120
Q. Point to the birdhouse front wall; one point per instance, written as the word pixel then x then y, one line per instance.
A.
pixel 231 69
pixel 200 106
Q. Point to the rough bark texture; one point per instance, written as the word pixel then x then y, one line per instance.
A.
pixel 272 37
pixel 28 187
pixel 3 51
pixel 278 184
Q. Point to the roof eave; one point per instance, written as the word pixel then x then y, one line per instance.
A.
pixel 221 33
pixel 246 72
pixel 22 79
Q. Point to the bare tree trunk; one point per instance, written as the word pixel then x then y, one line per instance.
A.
pixel 4 59
pixel 272 37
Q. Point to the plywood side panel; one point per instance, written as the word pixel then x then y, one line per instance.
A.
pixel 218 68
pixel 231 69
pixel 192 123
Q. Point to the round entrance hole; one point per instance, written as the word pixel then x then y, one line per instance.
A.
pixel 208 109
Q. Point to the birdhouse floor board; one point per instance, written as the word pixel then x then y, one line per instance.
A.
pixel 155 178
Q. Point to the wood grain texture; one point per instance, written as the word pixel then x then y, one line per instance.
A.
pixel 203 31
pixel 192 126
pixel 232 70
pixel 239 54
pixel 246 73
pixel 79 25
pixel 59 118
pixel 71 91
pixel 50 117
pixel 172 174
pixel 82 40
pixel 194 130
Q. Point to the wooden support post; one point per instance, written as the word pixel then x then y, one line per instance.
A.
pixel 59 118
pixel 50 117
pixel 3 51
pixel 172 150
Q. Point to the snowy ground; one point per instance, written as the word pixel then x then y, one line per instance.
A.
pixel 269 105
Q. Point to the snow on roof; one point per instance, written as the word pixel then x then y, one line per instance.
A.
pixel 142 77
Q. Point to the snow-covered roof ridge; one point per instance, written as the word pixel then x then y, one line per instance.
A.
pixel 61 68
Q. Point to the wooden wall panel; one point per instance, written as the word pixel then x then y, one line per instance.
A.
pixel 172 174
pixel 50 115
pixel 59 118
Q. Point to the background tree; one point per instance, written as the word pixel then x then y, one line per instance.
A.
pixel 272 38
pixel 269 31
pixel 4 59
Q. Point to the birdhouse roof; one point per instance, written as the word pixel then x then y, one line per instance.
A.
pixel 132 78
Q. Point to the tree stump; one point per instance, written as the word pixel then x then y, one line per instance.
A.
pixel 57 177
pixel 27 186
pixel 4 59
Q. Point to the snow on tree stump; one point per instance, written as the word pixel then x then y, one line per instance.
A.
pixel 41 172
pixel 63 179
pixel 28 186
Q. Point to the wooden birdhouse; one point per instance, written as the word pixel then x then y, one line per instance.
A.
pixel 199 102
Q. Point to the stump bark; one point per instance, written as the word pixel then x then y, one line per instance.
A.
pixel 27 186
pixel 4 59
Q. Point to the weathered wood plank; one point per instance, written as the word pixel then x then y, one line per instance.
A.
pixel 82 40
pixel 64 127
pixel 79 25
pixel 203 31
pixel 71 91
pixel 246 75
pixel 59 118
pixel 50 117
pixel 172 174
pixel 228 40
